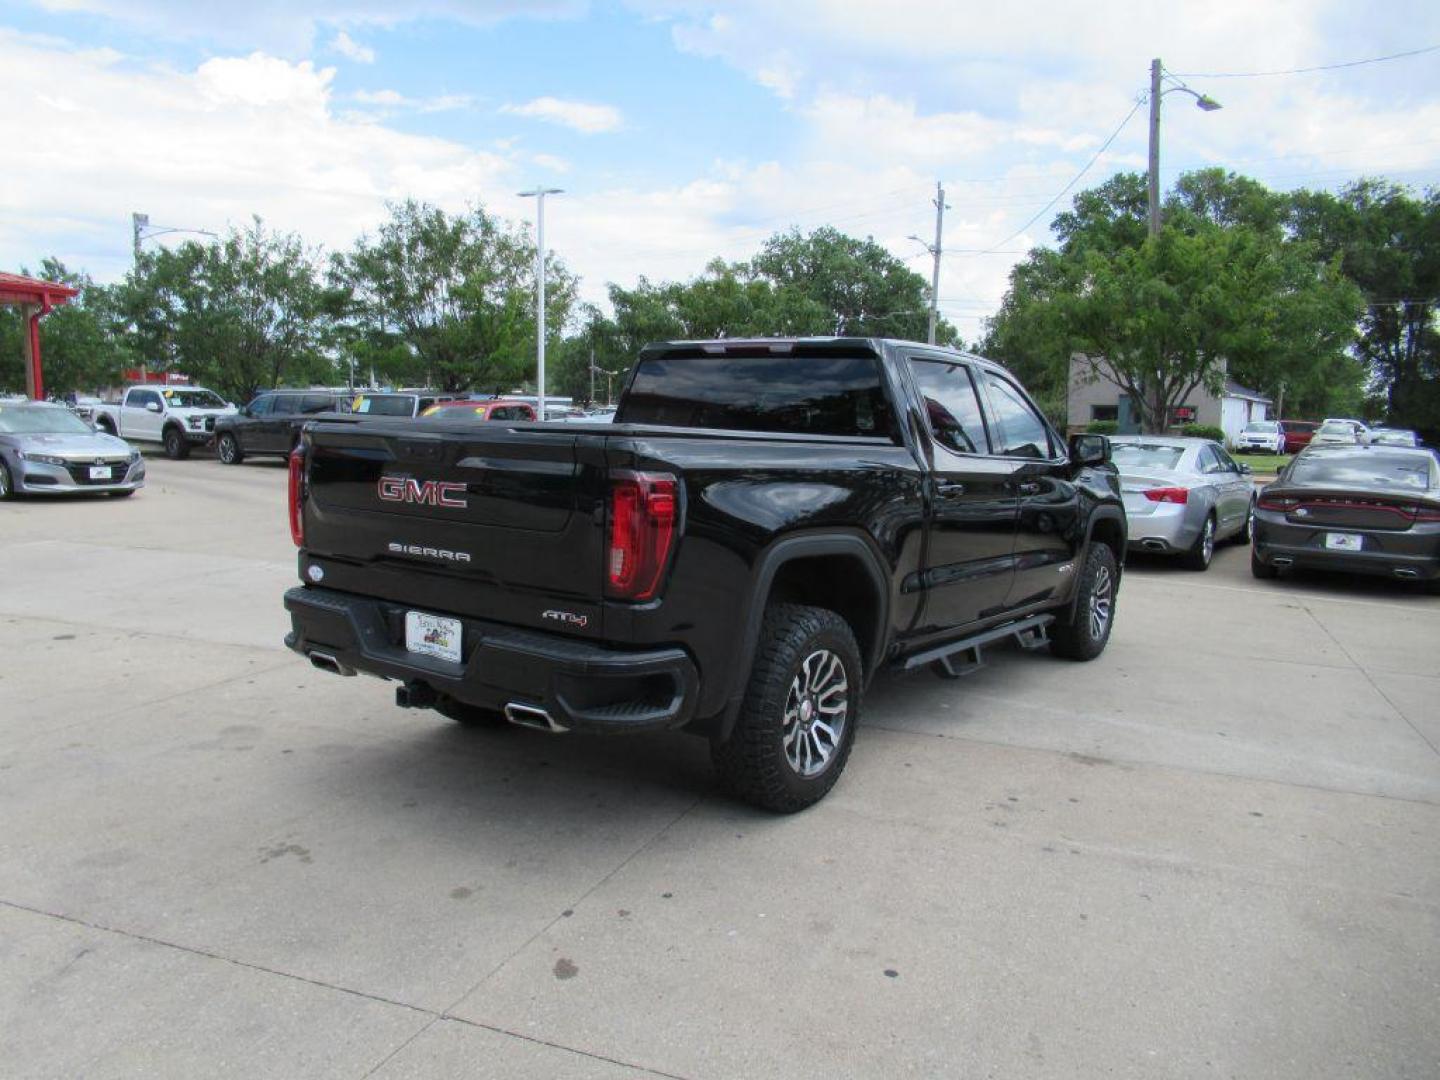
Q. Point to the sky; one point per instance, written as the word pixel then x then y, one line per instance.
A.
pixel 680 130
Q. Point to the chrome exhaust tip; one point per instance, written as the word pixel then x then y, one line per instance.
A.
pixel 325 662
pixel 1406 572
pixel 531 716
pixel 1282 560
pixel 1152 544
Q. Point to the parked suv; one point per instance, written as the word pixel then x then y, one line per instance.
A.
pixel 764 525
pixel 271 423
pixel 1265 435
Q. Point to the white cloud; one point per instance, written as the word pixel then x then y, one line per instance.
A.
pixel 204 149
pixel 582 116
pixel 391 100
pixel 351 49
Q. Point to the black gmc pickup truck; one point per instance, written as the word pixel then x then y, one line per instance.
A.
pixel 765 525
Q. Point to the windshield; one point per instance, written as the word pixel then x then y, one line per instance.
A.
pixel 1336 427
pixel 40 420
pixel 194 399
pixel 1142 457
pixel 1268 427
pixel 1365 469
pixel 384 405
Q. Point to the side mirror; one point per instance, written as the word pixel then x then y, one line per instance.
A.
pixel 1245 469
pixel 1089 450
pixel 152 406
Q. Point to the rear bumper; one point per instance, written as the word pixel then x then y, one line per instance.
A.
pixel 1278 543
pixel 1167 529
pixel 582 686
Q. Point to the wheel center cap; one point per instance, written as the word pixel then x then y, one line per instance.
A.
pixel 806 711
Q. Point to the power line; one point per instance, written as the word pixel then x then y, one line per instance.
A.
pixel 1073 180
pixel 1304 70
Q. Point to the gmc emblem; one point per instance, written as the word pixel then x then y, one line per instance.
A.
pixel 406 489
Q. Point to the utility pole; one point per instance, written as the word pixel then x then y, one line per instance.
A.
pixel 138 222
pixel 592 374
pixel 141 230
pixel 1153 196
pixel 1203 102
pixel 935 251
pixel 538 194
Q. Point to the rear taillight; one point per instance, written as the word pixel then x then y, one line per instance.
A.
pixel 1427 513
pixel 297 496
pixel 1281 503
pixel 1168 495
pixel 643 512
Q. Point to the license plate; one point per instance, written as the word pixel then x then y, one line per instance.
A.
pixel 1344 541
pixel 99 472
pixel 432 635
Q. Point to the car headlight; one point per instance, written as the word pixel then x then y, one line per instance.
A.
pixel 134 456
pixel 44 459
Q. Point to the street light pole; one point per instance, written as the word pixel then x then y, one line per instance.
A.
pixel 538 194
pixel 935 251
pixel 1204 102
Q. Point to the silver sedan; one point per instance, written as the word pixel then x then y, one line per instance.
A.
pixel 1182 496
pixel 47 449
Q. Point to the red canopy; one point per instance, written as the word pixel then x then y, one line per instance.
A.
pixel 43 296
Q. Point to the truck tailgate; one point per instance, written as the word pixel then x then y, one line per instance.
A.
pixel 489 521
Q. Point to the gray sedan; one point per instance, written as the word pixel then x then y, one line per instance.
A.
pixel 48 449
pixel 1182 496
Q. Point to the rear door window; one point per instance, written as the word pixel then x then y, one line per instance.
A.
pixel 315 403
pixel 286 404
pixel 1021 431
pixel 952 407
pixel 262 405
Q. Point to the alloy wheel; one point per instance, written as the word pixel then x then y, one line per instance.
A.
pixel 1207 541
pixel 1102 598
pixel 817 708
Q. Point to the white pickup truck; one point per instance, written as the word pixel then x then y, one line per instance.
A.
pixel 176 417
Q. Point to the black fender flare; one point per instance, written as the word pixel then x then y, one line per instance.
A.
pixel 1100 513
pixel 788 549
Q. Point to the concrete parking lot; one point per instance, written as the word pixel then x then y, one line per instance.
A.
pixel 1214 852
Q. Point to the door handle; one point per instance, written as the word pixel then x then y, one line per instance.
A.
pixel 1028 487
pixel 950 487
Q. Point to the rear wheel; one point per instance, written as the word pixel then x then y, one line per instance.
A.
pixel 469 715
pixel 1248 529
pixel 797 724
pixel 1262 570
pixel 1085 633
pixel 1203 550
pixel 177 446
pixel 227 448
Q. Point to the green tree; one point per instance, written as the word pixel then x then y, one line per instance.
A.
pixel 863 290
pixel 241 315
pixel 1387 240
pixel 1226 288
pixel 446 300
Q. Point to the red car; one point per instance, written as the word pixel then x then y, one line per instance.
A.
pixel 486 409
pixel 1298 434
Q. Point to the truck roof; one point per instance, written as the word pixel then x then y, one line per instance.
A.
pixel 812 345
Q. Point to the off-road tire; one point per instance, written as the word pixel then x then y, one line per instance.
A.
pixel 752 763
pixel 1084 634
pixel 234 455
pixel 177 446
pixel 469 715
pixel 1262 570
pixel 1202 552
pixel 7 483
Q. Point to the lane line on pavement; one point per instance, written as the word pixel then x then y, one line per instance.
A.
pixel 1374 685
pixel 380 999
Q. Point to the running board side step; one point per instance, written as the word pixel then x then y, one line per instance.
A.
pixel 966 656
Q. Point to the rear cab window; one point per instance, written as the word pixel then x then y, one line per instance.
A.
pixel 952 407
pixel 824 394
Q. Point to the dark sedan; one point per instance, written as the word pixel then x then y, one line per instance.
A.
pixel 1356 509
